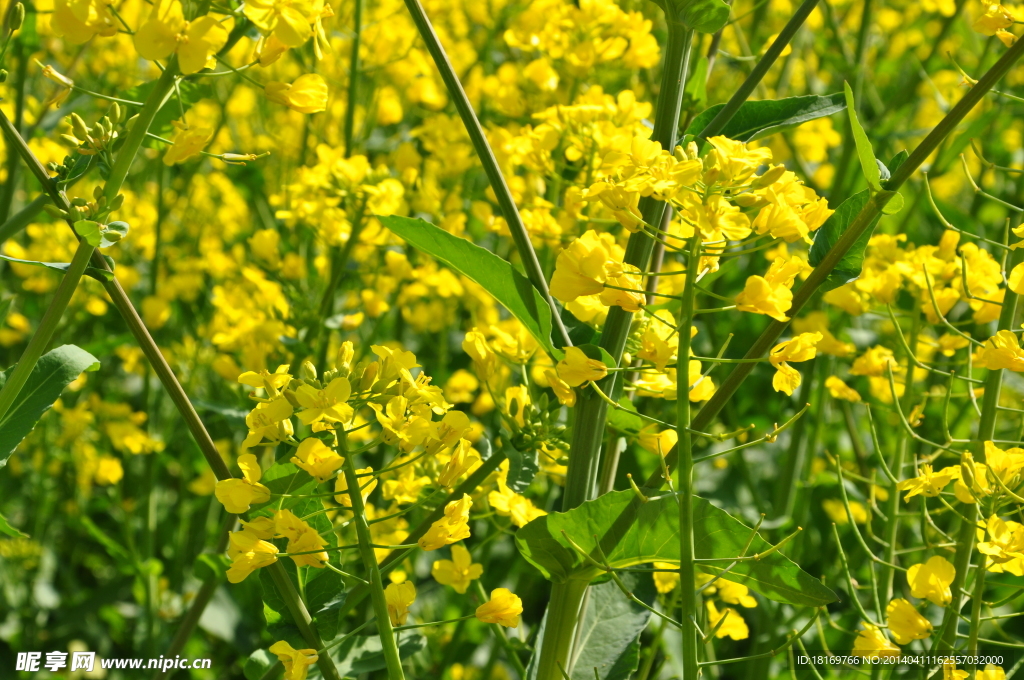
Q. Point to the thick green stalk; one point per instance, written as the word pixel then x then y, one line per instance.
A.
pixel 590 412
pixel 860 224
pixel 520 236
pixel 687 566
pixel 353 77
pixel 44 333
pixel 380 605
pixel 967 536
pixel 760 69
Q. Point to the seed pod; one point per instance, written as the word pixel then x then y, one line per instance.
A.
pixel 17 17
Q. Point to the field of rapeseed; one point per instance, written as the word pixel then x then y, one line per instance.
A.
pixel 342 339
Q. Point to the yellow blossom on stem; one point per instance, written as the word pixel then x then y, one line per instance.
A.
pixel 188 141
pixel 238 494
pixel 770 294
pixel 463 460
pixel 328 404
pixel 399 597
pixel 308 94
pixel 932 579
pixel 296 662
pixel 459 571
pixel 905 623
pixel 1005 540
pixel 1002 350
pixel 577 368
pixel 166 32
pixel 734 627
pixel 872 643
pixel 666 581
pixel 800 348
pixel 81 20
pixel 316 458
pixel 268 421
pixel 248 552
pixel 503 608
pixel 582 268
pixel 563 391
pixel 928 482
pixel 451 528
pixel 840 390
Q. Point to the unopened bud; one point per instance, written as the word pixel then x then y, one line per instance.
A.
pixel 79 202
pixel 97 192
pixel 967 469
pixel 79 127
pixel 17 17
pixel 71 140
pixel 308 370
pixel 112 235
pixel 117 202
pixel 115 113
pixel 770 177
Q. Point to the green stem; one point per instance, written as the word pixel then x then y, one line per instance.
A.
pixel 860 224
pixel 687 565
pixel 560 627
pixel 353 77
pixel 44 333
pixel 520 236
pixel 380 605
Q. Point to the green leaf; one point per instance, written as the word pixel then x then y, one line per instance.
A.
pixel 697 86
pixel 7 530
pixel 513 290
pixel 54 371
pixel 522 468
pixel 849 267
pixel 5 306
pixel 100 275
pixel 894 164
pixel 90 231
pixel 79 167
pixel 209 566
pixel 609 631
pixel 325 593
pixel 758 119
pixel 258 663
pixel 362 653
pixel 894 205
pixel 864 151
pixel 632 532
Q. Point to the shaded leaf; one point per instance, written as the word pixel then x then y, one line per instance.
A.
pixel 609 631
pixel 522 468
pixel 325 587
pixel 632 532
pixel 258 663
pixel 363 654
pixel 513 290
pixel 758 119
pixel 54 371
pixel 705 16
pixel 7 530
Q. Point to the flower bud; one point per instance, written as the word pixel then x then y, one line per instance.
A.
pixel 117 202
pixel 79 202
pixel 967 469
pixel 115 113
pixel 79 127
pixel 308 370
pixel 72 141
pixel 3 75
pixel 17 17
pixel 54 211
pixel 770 177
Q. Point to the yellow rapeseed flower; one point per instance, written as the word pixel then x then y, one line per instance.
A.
pixel 504 608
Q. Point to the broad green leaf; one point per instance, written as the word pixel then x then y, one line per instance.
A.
pixel 7 530
pixel 54 371
pixel 625 419
pixel 90 231
pixel 362 653
pixel 758 119
pixel 258 663
pixel 100 275
pixel 325 593
pixel 864 151
pixel 894 205
pixel 209 566
pixel 849 267
pixel 894 164
pixel 631 532
pixel 79 167
pixel 513 290
pixel 697 86
pixel 609 631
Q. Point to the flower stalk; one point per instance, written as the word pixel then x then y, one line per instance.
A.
pixel 380 605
